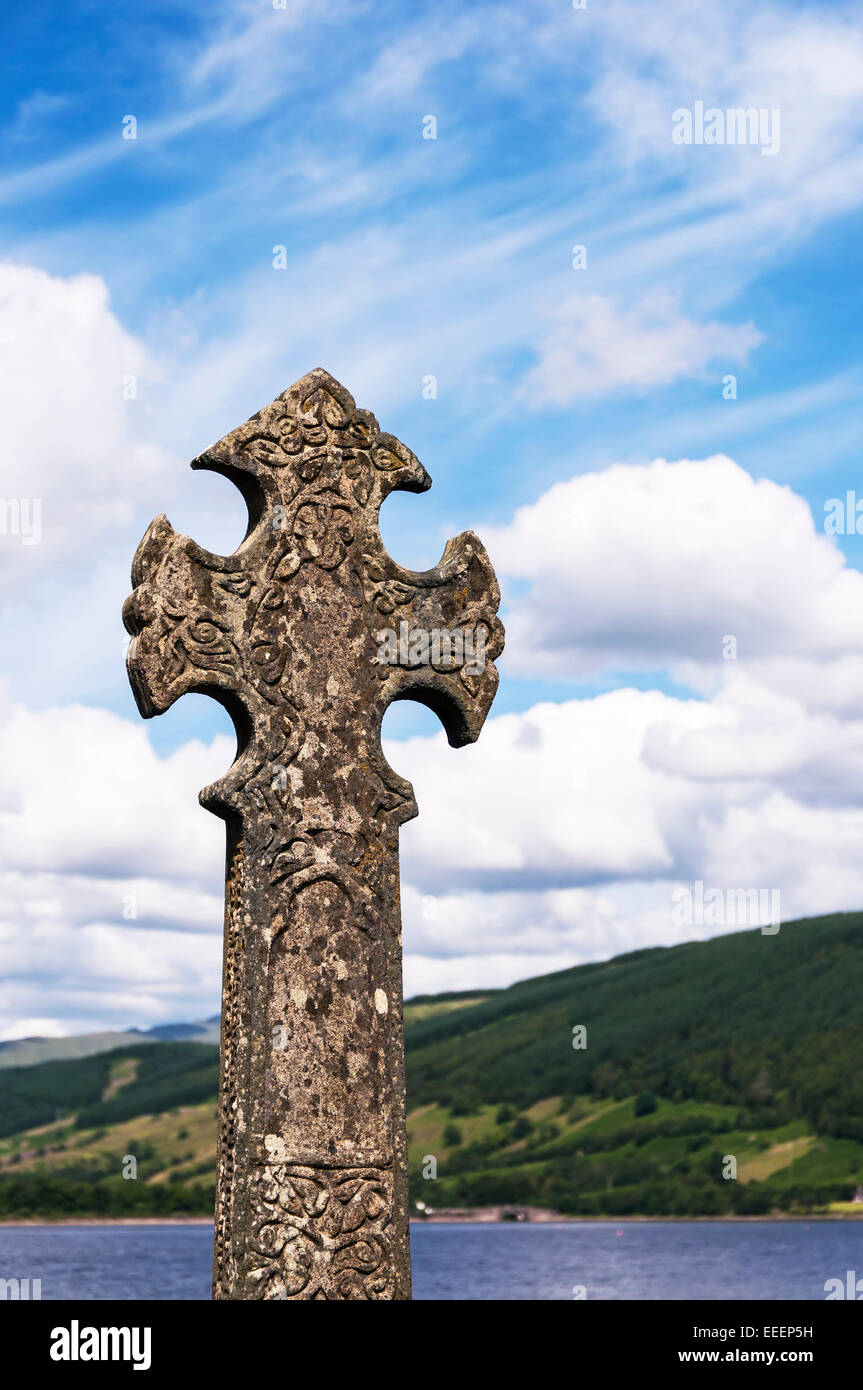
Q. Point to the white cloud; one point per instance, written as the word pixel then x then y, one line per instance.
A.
pixel 71 470
pixel 538 802
pixel 562 836
pixel 34 112
pixel 83 792
pixel 558 838
pixel 409 59
pixel 645 567
pixel 805 61
pixel 111 873
pixel 595 346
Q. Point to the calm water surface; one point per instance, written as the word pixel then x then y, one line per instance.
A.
pixel 612 1260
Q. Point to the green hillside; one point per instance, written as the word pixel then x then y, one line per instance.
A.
pixel 737 1054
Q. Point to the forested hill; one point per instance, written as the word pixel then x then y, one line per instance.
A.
pixel 764 1022
pixel 718 1077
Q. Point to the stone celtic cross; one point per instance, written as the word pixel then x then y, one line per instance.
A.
pixel 306 634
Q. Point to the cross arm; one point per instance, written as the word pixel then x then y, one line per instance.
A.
pixel 438 634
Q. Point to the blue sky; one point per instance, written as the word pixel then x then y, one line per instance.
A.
pixel 556 388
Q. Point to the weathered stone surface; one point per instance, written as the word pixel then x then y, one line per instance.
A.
pixel 287 633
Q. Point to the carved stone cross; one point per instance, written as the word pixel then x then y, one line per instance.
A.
pixel 306 634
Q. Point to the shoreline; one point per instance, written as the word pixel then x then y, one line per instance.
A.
pixel 106 1221
pixel 452 1217
pixel 549 1218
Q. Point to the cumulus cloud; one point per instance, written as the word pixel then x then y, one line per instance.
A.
pixel 559 837
pixel 562 836
pixel 72 471
pixel 83 792
pixel 111 873
pixel 653 567
pixel 540 800
pixel 631 785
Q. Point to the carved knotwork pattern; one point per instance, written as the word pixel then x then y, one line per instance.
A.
pixel 320 1233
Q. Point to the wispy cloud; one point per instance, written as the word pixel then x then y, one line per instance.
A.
pixel 594 346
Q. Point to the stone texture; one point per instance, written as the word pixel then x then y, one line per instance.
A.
pixel 285 633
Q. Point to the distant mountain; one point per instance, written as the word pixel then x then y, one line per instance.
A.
pixel 205 1032
pixel 30 1052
